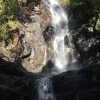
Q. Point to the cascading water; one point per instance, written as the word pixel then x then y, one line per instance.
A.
pixel 62 52
pixel 45 89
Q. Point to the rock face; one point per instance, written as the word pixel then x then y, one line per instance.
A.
pixel 86 39
pixel 87 44
pixel 28 44
pixel 78 85
pixel 37 45
pixel 16 83
pixel 35 39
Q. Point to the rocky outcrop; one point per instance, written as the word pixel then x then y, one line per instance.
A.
pixel 35 39
pixel 18 84
pixel 78 85
pixel 15 82
pixel 87 45
pixel 28 45
pixel 85 34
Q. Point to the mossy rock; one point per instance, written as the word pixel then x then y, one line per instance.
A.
pixel 65 2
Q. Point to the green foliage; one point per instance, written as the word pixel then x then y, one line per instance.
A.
pixel 98 23
pixel 22 1
pixel 8 18
pixel 8 10
pixel 87 11
pixel 4 29
pixel 65 2
pixel 1 6
pixel 95 3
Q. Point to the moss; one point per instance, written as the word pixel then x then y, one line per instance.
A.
pixel 3 32
pixel 13 24
pixel 98 24
pixel 65 2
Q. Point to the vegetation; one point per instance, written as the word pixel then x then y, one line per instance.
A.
pixel 85 11
pixel 8 18
pixel 9 13
pixel 84 24
pixel 65 2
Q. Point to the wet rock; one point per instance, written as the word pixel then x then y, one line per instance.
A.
pixel 36 43
pixel 98 24
pixel 83 84
pixel 11 68
pixel 14 87
pixel 48 68
pixel 87 44
pixel 15 82
pixel 78 85
pixel 48 33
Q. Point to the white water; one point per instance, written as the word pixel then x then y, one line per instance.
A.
pixel 62 52
pixel 45 89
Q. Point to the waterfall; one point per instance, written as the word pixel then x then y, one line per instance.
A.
pixel 45 89
pixel 63 54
